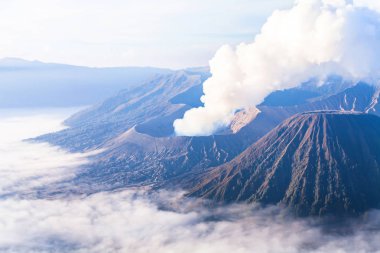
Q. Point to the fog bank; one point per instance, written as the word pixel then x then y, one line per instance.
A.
pixel 138 222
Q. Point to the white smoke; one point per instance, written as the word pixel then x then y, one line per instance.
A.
pixel 315 38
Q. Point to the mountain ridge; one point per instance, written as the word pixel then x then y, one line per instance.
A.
pixel 316 163
pixel 134 129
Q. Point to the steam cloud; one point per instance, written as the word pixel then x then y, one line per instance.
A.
pixel 134 221
pixel 315 38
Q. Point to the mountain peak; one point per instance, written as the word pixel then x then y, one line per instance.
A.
pixel 316 163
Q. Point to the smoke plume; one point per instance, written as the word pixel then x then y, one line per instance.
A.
pixel 314 39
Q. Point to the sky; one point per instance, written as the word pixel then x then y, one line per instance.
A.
pixel 166 33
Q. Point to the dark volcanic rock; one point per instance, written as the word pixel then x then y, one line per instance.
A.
pixel 316 163
pixel 134 159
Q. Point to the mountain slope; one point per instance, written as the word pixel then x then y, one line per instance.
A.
pixel 316 163
pixel 147 108
pixel 135 159
pixel 360 98
pixel 135 133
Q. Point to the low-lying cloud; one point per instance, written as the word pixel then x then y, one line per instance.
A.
pixel 140 222
pixel 131 222
pixel 314 39
pixel 25 165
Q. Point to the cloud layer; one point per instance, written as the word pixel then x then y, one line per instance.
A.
pixel 134 222
pixel 25 165
pixel 315 38
pixel 138 222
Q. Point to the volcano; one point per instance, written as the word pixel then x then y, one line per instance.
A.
pixel 315 163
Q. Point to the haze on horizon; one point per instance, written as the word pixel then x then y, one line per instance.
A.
pixel 168 33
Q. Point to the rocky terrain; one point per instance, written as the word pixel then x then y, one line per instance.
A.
pixel 135 142
pixel 315 163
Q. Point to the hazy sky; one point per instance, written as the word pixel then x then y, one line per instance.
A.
pixel 165 33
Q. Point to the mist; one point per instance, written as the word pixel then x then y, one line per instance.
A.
pixel 130 221
pixel 313 39
pixel 133 220
pixel 25 165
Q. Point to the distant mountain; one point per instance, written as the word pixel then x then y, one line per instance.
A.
pixel 316 163
pixel 361 97
pixel 150 108
pixel 36 84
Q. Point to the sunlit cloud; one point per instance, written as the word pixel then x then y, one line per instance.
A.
pixel 313 39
